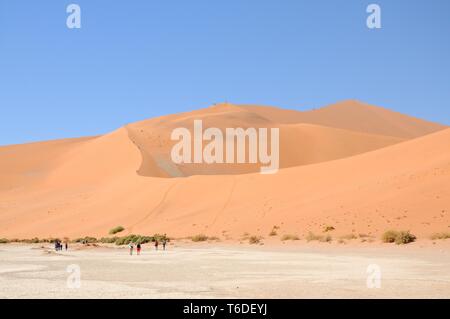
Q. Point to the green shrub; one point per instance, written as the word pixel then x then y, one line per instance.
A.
pixel 86 240
pixel 135 239
pixel 108 240
pixel 116 230
pixel 289 237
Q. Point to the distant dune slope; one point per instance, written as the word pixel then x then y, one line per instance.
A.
pixel 20 165
pixel 355 181
pixel 356 116
pixel 300 143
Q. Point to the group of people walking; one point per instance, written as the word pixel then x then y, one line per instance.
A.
pixel 139 247
pixel 59 245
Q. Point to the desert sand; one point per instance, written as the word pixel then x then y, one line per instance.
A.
pixel 356 167
pixel 224 271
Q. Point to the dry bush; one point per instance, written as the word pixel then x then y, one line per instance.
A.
pixel 443 235
pixel 289 237
pixel 254 240
pixel 199 238
pixel 398 237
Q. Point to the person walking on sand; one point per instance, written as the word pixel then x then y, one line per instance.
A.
pixel 138 249
pixel 164 242
pixel 156 244
pixel 67 245
pixel 131 249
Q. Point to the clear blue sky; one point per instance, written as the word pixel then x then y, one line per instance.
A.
pixel 137 59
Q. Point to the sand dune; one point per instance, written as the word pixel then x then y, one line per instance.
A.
pixel 356 116
pixel 336 171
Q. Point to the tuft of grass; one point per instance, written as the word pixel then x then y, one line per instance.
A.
pixel 328 229
pixel 116 230
pixel 440 236
pixel 289 237
pixel 326 239
pixel 311 237
pixel 349 237
pixel 405 237
pixel 199 238
pixel 254 240
pixel 398 237
pixel 389 236
pixel 323 239
pixel 274 232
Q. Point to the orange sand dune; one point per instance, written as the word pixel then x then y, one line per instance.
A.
pixel 89 186
pixel 356 116
pixel 22 164
pixel 300 144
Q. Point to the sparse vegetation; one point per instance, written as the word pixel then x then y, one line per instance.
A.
pixel 440 236
pixel 86 240
pixel 311 237
pixel 108 240
pixel 389 236
pixel 289 237
pixel 324 239
pixel 135 239
pixel 274 232
pixel 116 230
pixel 254 240
pixel 199 238
pixel 398 237
pixel 328 229
pixel 349 237
pixel 4 241
pixel 404 237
